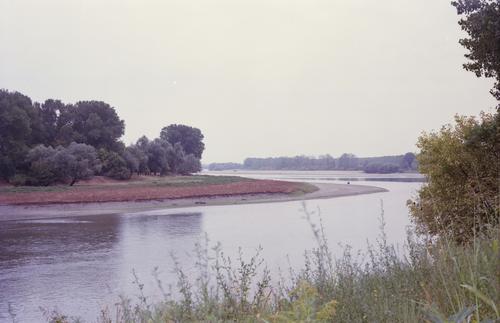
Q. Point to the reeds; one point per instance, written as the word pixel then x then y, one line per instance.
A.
pixel 431 280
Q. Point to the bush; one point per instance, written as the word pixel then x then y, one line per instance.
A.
pixel 43 170
pixel 189 165
pixel 461 163
pixel 113 165
pixel 76 162
pixel 19 180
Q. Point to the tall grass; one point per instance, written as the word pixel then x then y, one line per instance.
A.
pixel 433 281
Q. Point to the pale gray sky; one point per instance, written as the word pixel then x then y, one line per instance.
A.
pixel 258 77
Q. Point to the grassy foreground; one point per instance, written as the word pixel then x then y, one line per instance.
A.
pixel 435 282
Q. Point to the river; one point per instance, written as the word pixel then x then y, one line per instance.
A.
pixel 81 264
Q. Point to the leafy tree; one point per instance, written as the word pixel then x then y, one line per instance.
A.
pixel 191 139
pixel 113 165
pixel 461 164
pixel 131 157
pixel 189 165
pixel 157 156
pixel 20 128
pixel 408 160
pixel 76 162
pixel 49 114
pixel 481 21
pixel 348 162
pixel 42 167
pixel 140 151
pixel 93 123
pixel 378 168
pixel 175 158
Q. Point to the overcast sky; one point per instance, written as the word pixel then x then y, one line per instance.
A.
pixel 258 77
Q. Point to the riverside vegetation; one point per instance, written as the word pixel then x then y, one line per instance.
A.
pixel 450 272
pixel 434 281
pixel 53 143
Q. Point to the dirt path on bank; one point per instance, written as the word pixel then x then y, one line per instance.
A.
pixel 325 190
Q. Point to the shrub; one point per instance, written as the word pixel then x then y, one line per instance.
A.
pixel 19 180
pixel 76 162
pixel 113 165
pixel 43 170
pixel 461 196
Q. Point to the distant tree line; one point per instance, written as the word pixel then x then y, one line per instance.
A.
pixel 384 164
pixel 54 142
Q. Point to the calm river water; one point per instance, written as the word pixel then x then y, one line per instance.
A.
pixel 81 264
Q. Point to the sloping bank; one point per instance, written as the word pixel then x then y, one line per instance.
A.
pixel 115 199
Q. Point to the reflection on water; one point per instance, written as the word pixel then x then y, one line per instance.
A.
pixel 80 264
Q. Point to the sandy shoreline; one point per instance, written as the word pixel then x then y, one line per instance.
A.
pixel 24 212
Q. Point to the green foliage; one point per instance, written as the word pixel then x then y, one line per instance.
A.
pixel 76 162
pixel 326 162
pixel 54 125
pixel 438 281
pixel 461 197
pixel 157 156
pixel 190 164
pixel 408 161
pixel 94 123
pixel 347 162
pixel 19 180
pixel 161 157
pixel 113 165
pixel 190 138
pixel 17 116
pixel 381 168
pixel 43 169
pixel 481 21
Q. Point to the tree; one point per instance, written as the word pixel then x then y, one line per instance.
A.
pixel 16 127
pixel 189 165
pixel 347 162
pixel 94 123
pixel 43 170
pixel 461 196
pixel 49 114
pixel 481 21
pixel 113 165
pixel 408 160
pixel 76 162
pixel 140 151
pixel 131 157
pixel 175 158
pixel 379 168
pixel 191 139
pixel 157 156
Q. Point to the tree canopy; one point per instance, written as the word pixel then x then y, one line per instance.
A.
pixel 481 21
pixel 54 142
pixel 93 123
pixel 191 139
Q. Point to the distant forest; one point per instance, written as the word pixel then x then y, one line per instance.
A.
pixel 382 165
pixel 54 142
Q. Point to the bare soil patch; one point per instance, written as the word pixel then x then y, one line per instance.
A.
pixel 100 190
